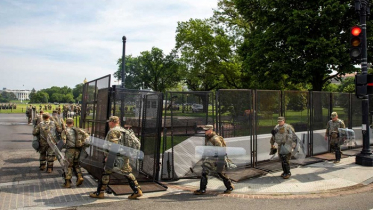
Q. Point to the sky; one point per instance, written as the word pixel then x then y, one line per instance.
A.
pixel 46 43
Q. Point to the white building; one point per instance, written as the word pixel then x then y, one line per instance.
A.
pixel 20 94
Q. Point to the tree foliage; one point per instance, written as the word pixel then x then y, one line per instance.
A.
pixel 294 42
pixel 152 69
pixel 208 54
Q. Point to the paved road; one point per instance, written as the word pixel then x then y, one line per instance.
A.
pixel 23 186
pixel 183 200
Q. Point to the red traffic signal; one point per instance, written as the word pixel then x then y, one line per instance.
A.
pixel 355 42
pixel 356 30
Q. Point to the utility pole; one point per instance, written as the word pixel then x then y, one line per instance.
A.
pixel 365 157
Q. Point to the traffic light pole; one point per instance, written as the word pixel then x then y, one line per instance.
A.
pixel 365 157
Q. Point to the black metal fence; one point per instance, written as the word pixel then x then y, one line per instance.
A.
pixel 140 111
pixel 245 119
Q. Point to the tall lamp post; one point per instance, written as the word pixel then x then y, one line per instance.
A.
pixel 365 157
pixel 123 60
pixel 122 118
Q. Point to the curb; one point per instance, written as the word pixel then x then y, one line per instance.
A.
pixel 359 188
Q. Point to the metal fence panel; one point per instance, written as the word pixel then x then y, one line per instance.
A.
pixel 235 114
pixel 268 109
pixel 320 115
pixel 185 113
pixel 297 112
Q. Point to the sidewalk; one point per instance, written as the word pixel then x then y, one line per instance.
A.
pixel 305 180
pixel 309 179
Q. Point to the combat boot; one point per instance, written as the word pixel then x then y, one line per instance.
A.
pixel 199 192
pixel 67 183
pixel 135 195
pixel 229 190
pixel 97 195
pixel 79 180
pixel 42 167
pixel 49 170
pixel 286 176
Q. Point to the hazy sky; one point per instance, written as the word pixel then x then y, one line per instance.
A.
pixel 46 43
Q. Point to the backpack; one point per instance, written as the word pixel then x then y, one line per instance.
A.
pixel 45 129
pixel 129 139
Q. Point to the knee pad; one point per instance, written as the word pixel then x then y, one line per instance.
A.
pixel 105 179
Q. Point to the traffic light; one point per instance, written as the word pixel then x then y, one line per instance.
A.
pixel 356 43
pixel 363 85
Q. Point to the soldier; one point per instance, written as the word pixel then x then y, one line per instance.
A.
pixel 74 139
pixel 332 132
pixel 29 114
pixel 59 109
pixel 115 134
pixel 45 128
pixel 214 165
pixel 282 134
pixel 38 119
pixel 58 120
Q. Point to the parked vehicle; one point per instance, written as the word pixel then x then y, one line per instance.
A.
pixel 197 108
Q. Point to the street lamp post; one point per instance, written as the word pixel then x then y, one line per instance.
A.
pixel 123 60
pixel 365 157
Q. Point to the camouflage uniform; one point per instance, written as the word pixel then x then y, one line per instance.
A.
pixel 114 135
pixel 332 132
pixel 74 139
pixel 282 135
pixel 38 119
pixel 46 152
pixel 29 114
pixel 214 165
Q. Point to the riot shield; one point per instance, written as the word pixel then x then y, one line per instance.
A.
pixel 346 137
pixel 298 149
pixel 60 157
pixel 116 155
pixel 217 159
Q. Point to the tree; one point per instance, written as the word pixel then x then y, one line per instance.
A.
pixel 347 85
pixel 39 97
pixel 296 41
pixel 68 98
pixel 78 91
pixel 208 55
pixel 152 69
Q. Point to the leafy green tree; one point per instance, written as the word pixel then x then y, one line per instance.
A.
pixel 347 85
pixel 68 98
pixel 152 69
pixel 56 97
pixel 78 91
pixel 296 42
pixel 208 55
pixel 132 81
pixel 39 97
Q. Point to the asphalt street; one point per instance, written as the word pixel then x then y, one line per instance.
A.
pixel 19 162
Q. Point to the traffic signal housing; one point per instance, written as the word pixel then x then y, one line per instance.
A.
pixel 363 85
pixel 356 39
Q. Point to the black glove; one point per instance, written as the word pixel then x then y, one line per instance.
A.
pixel 274 132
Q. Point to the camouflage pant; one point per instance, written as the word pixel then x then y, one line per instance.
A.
pixel 288 156
pixel 124 170
pixel 72 156
pixel 334 145
pixel 46 154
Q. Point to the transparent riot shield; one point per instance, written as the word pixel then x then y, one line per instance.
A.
pixel 220 159
pixel 299 151
pixel 60 157
pixel 346 137
pixel 111 156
